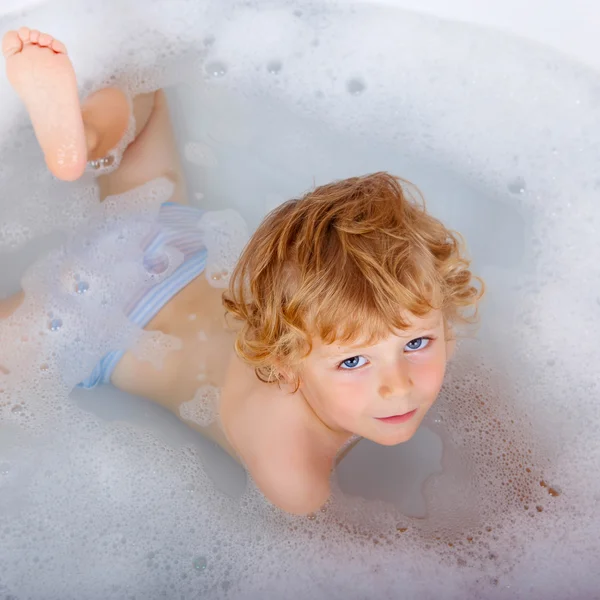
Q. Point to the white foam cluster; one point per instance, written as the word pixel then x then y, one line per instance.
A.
pixel 200 155
pixel 203 408
pixel 154 346
pixel 74 307
pixel 498 133
pixel 225 234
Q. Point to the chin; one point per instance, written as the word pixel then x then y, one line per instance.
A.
pixel 394 439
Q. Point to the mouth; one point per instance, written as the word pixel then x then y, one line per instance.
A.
pixel 396 419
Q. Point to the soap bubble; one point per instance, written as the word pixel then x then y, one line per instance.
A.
pixel 274 67
pixel 356 86
pixel 517 186
pixel 81 287
pixel 200 563
pixel 55 324
pixel 216 69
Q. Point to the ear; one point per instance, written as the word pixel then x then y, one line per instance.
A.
pixel 286 378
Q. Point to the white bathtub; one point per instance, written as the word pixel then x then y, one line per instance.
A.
pixel 497 118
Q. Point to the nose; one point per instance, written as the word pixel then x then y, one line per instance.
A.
pixel 395 382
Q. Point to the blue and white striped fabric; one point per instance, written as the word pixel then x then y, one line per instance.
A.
pixel 178 228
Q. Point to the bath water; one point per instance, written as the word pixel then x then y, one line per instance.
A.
pixel 103 495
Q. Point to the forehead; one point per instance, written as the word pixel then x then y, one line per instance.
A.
pixel 433 320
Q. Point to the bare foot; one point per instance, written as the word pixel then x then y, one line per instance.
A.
pixel 38 68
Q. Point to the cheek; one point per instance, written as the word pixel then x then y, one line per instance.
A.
pixel 348 394
pixel 333 391
pixel 430 377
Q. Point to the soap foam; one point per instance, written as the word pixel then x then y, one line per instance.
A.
pixel 225 234
pixel 110 510
pixel 203 409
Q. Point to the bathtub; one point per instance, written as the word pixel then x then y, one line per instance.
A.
pixel 494 112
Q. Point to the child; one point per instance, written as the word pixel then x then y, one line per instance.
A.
pixel 342 302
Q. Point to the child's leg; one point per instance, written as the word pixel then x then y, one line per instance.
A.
pixel 40 71
pixel 38 67
pixel 152 154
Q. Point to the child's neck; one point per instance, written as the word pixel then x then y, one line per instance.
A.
pixel 339 437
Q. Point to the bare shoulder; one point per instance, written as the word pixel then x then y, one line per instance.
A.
pixel 288 457
pixel 292 475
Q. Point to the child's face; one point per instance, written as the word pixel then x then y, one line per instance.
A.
pixel 380 392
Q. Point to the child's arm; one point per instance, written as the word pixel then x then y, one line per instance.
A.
pixel 299 487
pixel 282 455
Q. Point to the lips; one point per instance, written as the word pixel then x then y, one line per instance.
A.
pixel 395 419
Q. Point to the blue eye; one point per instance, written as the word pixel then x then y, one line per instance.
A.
pixel 353 363
pixel 417 344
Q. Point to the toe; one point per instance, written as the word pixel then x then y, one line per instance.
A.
pixel 58 47
pixel 45 40
pixel 24 33
pixel 34 36
pixel 11 44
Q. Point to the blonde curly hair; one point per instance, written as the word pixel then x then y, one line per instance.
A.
pixel 346 262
